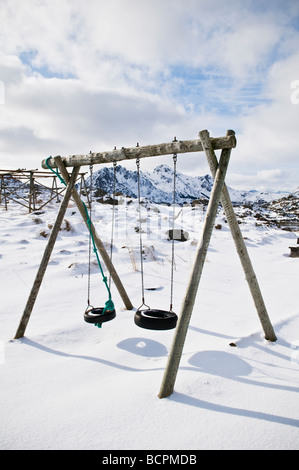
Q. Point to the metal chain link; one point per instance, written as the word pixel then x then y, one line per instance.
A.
pixel 173 217
pixel 140 235
pixel 90 241
pixel 113 220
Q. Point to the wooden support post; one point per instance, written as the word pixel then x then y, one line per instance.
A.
pixel 55 191
pixel 239 243
pixel 45 260
pixel 99 244
pixel 189 300
pixel 31 192
pixel 2 189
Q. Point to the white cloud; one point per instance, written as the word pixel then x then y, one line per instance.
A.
pixel 269 132
pixel 131 70
pixel 68 36
pixel 66 116
pixel 263 179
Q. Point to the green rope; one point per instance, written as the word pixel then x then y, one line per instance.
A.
pixel 55 171
pixel 109 305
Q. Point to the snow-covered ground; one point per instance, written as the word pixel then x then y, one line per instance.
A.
pixel 70 385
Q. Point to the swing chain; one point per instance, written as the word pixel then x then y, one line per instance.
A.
pixel 173 218
pixel 140 235
pixel 113 220
pixel 90 241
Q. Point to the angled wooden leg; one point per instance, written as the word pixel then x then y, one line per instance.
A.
pixel 239 243
pixel 45 260
pixel 189 300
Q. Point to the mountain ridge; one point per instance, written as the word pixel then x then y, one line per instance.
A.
pixel 157 186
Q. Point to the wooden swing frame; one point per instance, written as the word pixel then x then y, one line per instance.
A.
pixel 219 193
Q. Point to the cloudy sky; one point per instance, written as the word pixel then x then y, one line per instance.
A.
pixel 81 75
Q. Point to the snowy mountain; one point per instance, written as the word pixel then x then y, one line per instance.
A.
pixel 296 192
pixel 157 186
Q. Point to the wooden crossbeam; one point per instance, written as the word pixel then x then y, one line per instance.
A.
pixel 181 146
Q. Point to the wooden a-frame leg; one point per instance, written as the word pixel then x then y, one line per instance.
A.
pixel 46 257
pixel 239 242
pixel 189 300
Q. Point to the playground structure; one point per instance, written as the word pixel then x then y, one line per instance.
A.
pixel 219 193
pixel 24 187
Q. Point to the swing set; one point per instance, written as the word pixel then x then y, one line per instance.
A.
pixel 146 317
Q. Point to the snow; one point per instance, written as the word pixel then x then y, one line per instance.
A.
pixel 70 385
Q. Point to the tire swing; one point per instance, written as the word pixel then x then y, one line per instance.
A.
pixel 99 315
pixel 145 317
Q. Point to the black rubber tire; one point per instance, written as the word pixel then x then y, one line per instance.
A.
pixel 96 315
pixel 155 319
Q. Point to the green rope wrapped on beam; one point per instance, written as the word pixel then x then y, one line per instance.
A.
pixel 56 172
